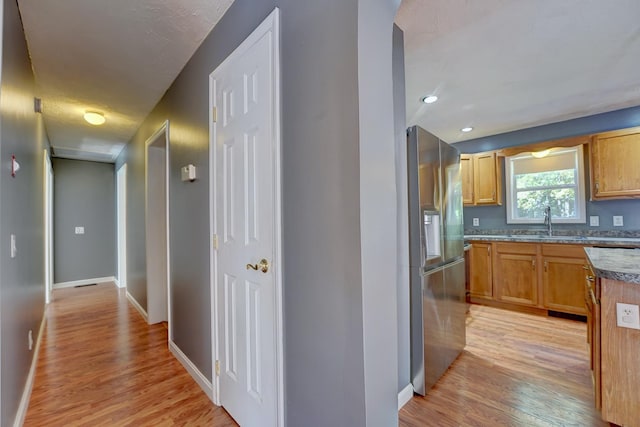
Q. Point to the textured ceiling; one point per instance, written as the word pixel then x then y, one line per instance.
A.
pixel 113 56
pixel 503 65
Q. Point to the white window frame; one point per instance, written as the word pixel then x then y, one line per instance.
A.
pixel 581 212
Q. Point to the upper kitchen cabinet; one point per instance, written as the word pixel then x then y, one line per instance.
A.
pixel 481 179
pixel 615 157
pixel 466 174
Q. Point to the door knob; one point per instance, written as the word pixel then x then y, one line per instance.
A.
pixel 262 266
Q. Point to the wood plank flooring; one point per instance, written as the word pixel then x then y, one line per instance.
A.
pixel 517 370
pixel 100 364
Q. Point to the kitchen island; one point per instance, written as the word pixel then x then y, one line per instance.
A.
pixel 615 349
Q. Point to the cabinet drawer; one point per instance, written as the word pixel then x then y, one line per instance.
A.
pixel 517 248
pixel 563 250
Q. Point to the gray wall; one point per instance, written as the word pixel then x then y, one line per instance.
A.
pixel 494 217
pixel 21 213
pixel 84 196
pixel 404 347
pixel 330 310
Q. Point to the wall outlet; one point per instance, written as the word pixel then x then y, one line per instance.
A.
pixel 618 221
pixel 79 230
pixel 628 315
pixel 476 222
pixel 594 221
pixel 30 339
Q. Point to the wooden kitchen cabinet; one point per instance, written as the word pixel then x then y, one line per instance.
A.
pixel 466 174
pixel 563 278
pixel 592 304
pixel 515 267
pixel 480 271
pixel 615 157
pixel 481 179
pixel 487 182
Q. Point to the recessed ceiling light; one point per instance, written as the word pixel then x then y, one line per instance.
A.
pixel 429 99
pixel 94 118
pixel 467 129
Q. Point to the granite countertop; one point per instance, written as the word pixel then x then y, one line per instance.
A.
pixel 615 263
pixel 539 238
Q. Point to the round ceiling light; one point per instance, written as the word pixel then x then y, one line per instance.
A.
pixel 94 118
pixel 541 154
pixel 429 99
pixel 467 129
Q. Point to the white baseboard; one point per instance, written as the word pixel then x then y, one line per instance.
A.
pixel 84 282
pixel 26 394
pixel 138 307
pixel 405 396
pixel 195 373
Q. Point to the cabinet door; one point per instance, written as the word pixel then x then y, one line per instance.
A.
pixel 615 157
pixel 481 277
pixel 486 184
pixel 563 284
pixel 466 173
pixel 515 274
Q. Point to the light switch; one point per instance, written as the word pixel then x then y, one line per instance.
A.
pixel 79 230
pixel 14 249
pixel 594 221
pixel 617 221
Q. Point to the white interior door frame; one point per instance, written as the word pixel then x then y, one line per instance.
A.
pixel 121 188
pixel 48 226
pixel 270 24
pixel 160 139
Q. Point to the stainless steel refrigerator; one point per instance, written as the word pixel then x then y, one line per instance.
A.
pixel 436 251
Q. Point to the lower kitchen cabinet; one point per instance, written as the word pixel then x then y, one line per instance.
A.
pixel 563 278
pixel 480 271
pixel 515 273
pixel 531 276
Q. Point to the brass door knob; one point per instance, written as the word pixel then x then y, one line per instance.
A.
pixel 262 266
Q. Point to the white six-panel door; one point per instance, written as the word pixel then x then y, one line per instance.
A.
pixel 245 211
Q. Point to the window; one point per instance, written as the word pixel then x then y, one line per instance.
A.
pixel 555 180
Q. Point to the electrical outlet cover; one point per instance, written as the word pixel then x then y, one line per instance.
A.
pixel 628 315
pixel 618 221
pixel 594 221
pixel 476 222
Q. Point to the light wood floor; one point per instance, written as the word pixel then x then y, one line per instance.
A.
pixel 100 364
pixel 517 370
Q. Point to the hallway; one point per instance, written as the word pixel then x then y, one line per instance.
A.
pixel 100 364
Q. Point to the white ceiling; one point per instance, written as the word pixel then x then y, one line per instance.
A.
pixel 503 65
pixel 496 65
pixel 113 56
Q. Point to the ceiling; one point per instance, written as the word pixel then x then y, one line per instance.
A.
pixel 496 65
pixel 503 65
pixel 117 57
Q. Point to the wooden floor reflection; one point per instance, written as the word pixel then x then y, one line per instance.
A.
pixel 100 364
pixel 517 370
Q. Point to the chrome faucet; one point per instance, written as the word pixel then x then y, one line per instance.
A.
pixel 547 219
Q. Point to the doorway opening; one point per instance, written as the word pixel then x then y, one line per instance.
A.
pixel 48 226
pixel 157 225
pixel 121 189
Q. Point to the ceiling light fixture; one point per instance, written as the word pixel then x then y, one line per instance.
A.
pixel 429 99
pixel 467 129
pixel 94 118
pixel 540 154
